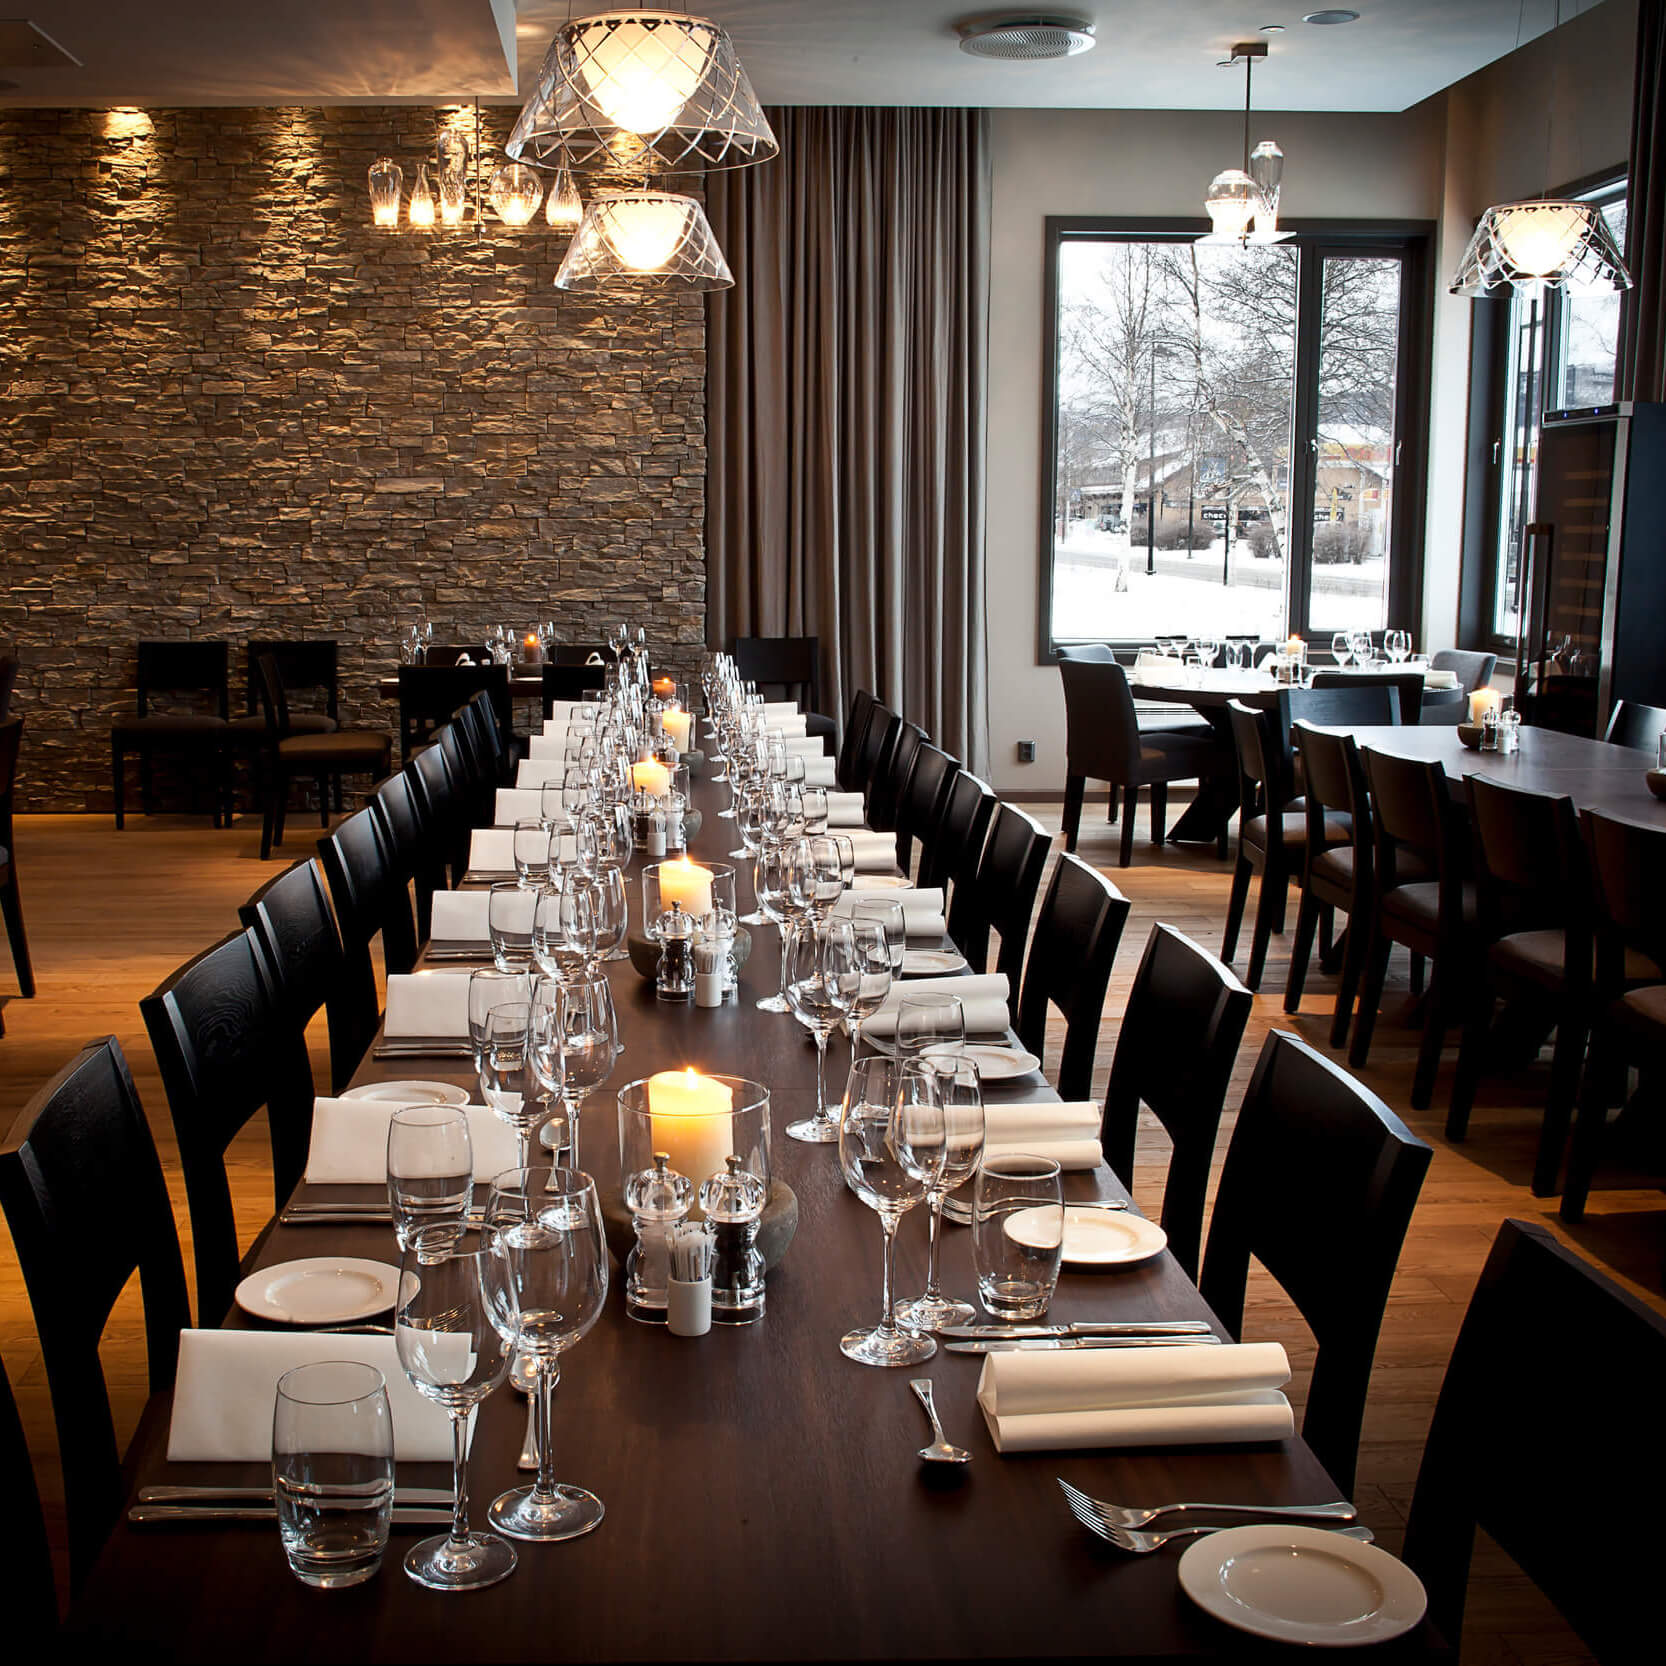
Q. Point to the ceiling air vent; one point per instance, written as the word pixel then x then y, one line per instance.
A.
pixel 1026 38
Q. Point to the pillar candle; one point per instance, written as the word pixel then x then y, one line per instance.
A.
pixel 652 777
pixel 676 723
pixel 664 687
pixel 685 882
pixel 691 1116
pixel 1482 701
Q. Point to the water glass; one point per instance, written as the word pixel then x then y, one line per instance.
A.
pixel 1017 1235
pixel 565 926
pixel 814 803
pixel 532 853
pixel 332 1471
pixel 890 917
pixel 509 925
pixel 934 1021
pixel 430 1168
pixel 487 988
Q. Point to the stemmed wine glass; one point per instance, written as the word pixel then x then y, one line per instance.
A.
pixel 548 1287
pixel 961 1090
pixel 877 965
pixel 575 1043
pixel 1397 644
pixel 451 1349
pixel 892 1150
pixel 613 913
pixel 784 886
pixel 564 927
pixel 822 979
pixel 506 1076
pixel 1341 647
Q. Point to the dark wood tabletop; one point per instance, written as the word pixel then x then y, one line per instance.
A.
pixel 763 1496
pixel 523 685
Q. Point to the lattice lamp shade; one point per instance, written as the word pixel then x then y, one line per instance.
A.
pixel 643 241
pixel 1547 242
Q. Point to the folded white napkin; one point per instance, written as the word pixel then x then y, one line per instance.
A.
pixel 843 809
pixel 492 850
pixel 804 746
pixel 518 804
pixel 775 710
pixel 820 772
pixel 1067 1132
pixel 537 772
pixel 350 1142
pixel 228 1385
pixel 922 908
pixel 460 917
pixel 983 1001
pixel 1439 679
pixel 875 852
pixel 427 1004
pixel 1042 1402
pixel 548 747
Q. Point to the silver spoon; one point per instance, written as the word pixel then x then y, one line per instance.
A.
pixel 940 1451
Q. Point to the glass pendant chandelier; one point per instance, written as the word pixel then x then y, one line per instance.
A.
pixel 453 152
pixel 421 210
pixel 642 241
pixel 387 180
pixel 563 208
pixel 649 91
pixel 1243 202
pixel 516 192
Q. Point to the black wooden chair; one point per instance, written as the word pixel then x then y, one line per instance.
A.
pixel 429 694
pixel 961 832
pixel 1415 828
pixel 787 668
pixel 290 915
pixel 876 737
pixel 1319 1185
pixel 884 803
pixel 850 744
pixel 494 746
pixel 418 855
pixel 444 810
pixel 1001 897
pixel 87 1206
pixel 226 1049
pixel 320 757
pixel 1069 967
pixel 198 736
pixel 476 790
pixel 370 900
pixel 9 665
pixel 924 797
pixel 11 901
pixel 1104 742
pixel 305 666
pixel 26 1584
pixel 566 682
pixel 1593 1428
pixel 1631 723
pixel 1174 1053
pixel 1407 684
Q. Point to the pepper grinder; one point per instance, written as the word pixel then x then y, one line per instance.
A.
pixel 675 979
pixel 658 1198
pixel 734 1204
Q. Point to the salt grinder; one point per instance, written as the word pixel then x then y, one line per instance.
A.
pixel 734 1204
pixel 658 1198
pixel 675 978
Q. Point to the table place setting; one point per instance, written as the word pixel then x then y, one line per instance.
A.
pixel 922 907
pixel 427 1015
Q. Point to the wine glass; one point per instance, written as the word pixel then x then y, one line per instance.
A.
pixel 930 1021
pixel 575 1043
pixel 505 1073
pixel 874 961
pixel 1342 647
pixel 613 913
pixel 452 1351
pixel 822 979
pixel 961 1090
pixel 430 1169
pixel 1360 643
pixel 827 875
pixel 1398 645
pixel 548 1286
pixel 780 885
pixel 891 1148
pixel 564 926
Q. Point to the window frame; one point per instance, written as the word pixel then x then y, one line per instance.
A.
pixel 1409 241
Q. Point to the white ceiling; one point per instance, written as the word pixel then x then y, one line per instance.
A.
pixel 1152 54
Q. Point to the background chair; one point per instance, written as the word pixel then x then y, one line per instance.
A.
pixel 304 667
pixel 418 856
pixel 444 809
pixel 1174 1053
pixel 570 682
pixel 884 803
pixel 196 671
pixel 1088 653
pixel 961 832
pixel 369 897
pixel 80 1148
pixel 850 746
pixel 925 796
pixel 26 1585
pixel 429 694
pixel 11 902
pixel 1319 1186
pixel 787 668
pixel 1631 723
pixel 8 679
pixel 1473 669
pixel 1002 895
pixel 1409 685
pixel 1069 967
pixel 1593 1428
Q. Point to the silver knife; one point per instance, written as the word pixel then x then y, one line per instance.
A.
pixel 439 1497
pixel 1016 1344
pixel 1081 1327
pixel 155 1515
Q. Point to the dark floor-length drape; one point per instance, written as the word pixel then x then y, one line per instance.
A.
pixel 846 385
pixel 1642 355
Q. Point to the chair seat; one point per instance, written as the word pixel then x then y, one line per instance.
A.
pixel 300 723
pixel 172 725
pixel 1293 824
pixel 1641 1013
pixel 815 723
pixel 1175 755
pixel 1538 956
pixel 1337 865
pixel 1164 723
pixel 342 749
pixel 1419 904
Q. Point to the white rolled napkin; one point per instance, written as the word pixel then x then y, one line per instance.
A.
pixel 228 1385
pixel 538 772
pixel 460 917
pixel 875 852
pixel 775 710
pixel 492 850
pixel 1439 679
pixel 1067 1132
pixel 518 804
pixel 983 1001
pixel 922 907
pixel 427 1004
pixel 805 746
pixel 1125 1397
pixel 561 715
pixel 844 810
pixel 350 1142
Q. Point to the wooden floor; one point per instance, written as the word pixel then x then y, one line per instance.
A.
pixel 110 916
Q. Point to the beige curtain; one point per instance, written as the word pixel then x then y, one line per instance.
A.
pixel 846 384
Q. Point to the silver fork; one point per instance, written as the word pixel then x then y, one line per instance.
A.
pixel 1139 1544
pixel 1130 1516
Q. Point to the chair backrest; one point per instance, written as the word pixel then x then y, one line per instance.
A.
pixel 225 1049
pixel 274 698
pixel 1410 807
pixel 1443 705
pixel 1333 778
pixel 302 664
pixel 369 895
pixel 961 832
pixel 1341 706
pixel 1069 967
pixel 418 853
pixel 477 720
pixel 924 796
pixel 1319 1185
pixel 787 665
pixel 1472 668
pixel 1265 773
pixel 850 745
pixel 88 1207
pixel 8 681
pixel 1531 865
pixel 1408 684
pixel 11 744
pixel 903 740
pixel 1002 896
pixel 570 682
pixel 440 656
pixel 1175 1051
pixel 1628 872
pixel 290 917
pixel 875 739
pixel 1089 653
pixel 26 1584
pixel 1593 1429
pixel 594 654
pixel 1101 731
pixel 1633 724
pixel 444 808
pixel 429 694
pixel 183 668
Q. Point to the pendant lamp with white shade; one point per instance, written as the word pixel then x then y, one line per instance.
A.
pixel 643 240
pixel 1243 202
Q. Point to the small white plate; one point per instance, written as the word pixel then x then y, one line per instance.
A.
pixel 1302 1585
pixel 919 962
pixel 410 1093
pixel 1098 1237
pixel 319 1292
pixel 995 1064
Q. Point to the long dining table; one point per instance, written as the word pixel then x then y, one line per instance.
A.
pixel 763 1495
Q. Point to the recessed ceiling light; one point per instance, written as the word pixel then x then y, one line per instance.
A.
pixel 1339 15
pixel 1272 28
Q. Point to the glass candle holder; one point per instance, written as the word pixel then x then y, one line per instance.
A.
pixel 700 887
pixel 697 1121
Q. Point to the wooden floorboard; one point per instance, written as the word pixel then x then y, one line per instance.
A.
pixel 110 915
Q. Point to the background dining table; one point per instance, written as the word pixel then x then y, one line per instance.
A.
pixel 763 1495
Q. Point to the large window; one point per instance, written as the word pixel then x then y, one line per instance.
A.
pixel 1226 434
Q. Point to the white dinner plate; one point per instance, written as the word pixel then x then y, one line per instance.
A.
pixel 1302 1585
pixel 995 1064
pixel 1097 1237
pixel 920 962
pixel 319 1291
pixel 410 1093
